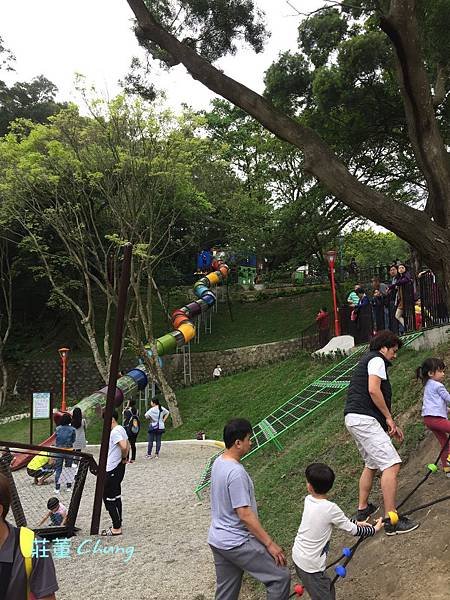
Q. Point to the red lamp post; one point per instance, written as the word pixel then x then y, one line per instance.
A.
pixel 331 259
pixel 64 354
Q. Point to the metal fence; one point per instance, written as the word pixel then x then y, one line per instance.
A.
pixel 31 490
pixel 412 307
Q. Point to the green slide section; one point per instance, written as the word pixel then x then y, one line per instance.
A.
pixel 329 385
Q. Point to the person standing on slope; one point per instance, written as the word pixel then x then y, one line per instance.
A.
pixel 369 421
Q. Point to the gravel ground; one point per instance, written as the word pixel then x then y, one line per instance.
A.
pixel 163 521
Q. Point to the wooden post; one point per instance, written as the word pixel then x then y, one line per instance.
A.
pixel 31 420
pixel 111 394
pixel 51 414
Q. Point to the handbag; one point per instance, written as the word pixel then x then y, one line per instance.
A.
pixel 353 315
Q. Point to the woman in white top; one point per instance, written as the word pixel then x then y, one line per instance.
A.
pixel 157 416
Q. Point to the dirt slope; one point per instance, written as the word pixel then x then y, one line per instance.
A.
pixel 414 565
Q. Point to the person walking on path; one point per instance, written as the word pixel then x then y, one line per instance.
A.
pixel 369 421
pixel 436 402
pixel 157 416
pixel 236 537
pixel 13 576
pixel 115 471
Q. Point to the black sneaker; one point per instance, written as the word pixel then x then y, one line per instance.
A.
pixel 404 525
pixel 362 514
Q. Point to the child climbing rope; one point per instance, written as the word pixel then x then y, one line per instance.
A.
pixel 436 400
pixel 310 549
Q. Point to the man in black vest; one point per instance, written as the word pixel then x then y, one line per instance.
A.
pixel 369 421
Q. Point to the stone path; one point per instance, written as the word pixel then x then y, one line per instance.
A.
pixel 162 553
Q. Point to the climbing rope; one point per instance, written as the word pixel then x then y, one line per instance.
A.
pixel 431 468
pixel 348 553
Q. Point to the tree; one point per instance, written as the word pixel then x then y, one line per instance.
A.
pixel 34 100
pixel 6 314
pixel 80 187
pixel 371 248
pixel 409 25
pixel 300 218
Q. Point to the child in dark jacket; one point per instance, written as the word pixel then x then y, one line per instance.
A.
pixel 65 437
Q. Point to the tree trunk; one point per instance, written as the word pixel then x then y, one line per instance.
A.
pixel 157 373
pixel 400 25
pixel 416 227
pixel 4 382
pixel 102 365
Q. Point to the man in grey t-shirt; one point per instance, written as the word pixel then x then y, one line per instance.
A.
pixel 237 539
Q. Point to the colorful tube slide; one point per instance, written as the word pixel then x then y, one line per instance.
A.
pixel 183 332
pixel 137 379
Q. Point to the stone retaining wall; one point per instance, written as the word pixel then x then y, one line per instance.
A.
pixel 83 379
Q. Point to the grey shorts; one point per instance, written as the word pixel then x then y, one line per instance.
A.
pixel 374 444
pixel 318 585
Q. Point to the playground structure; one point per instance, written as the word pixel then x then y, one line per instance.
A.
pixel 184 332
pixel 329 385
pixel 29 501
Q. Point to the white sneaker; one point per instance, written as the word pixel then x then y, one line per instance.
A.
pixel 57 491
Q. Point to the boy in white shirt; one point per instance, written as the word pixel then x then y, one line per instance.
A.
pixel 310 549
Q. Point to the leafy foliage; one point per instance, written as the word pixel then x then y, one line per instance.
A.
pixel 213 27
pixel 371 247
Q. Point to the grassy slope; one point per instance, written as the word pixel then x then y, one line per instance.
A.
pixel 252 323
pixel 254 394
pixel 259 322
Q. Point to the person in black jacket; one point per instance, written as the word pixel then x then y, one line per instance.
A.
pixel 369 421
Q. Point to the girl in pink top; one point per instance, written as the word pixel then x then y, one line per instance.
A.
pixel 436 401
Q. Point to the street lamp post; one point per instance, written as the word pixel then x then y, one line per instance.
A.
pixel 64 354
pixel 331 259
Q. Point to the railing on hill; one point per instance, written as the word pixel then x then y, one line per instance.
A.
pixel 362 275
pixel 329 385
pixel 411 307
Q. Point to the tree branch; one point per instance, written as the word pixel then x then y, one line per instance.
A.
pixel 320 161
pixel 400 25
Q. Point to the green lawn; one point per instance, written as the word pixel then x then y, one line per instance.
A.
pixel 261 322
pixel 254 394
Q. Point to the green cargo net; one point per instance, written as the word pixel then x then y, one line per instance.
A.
pixel 329 385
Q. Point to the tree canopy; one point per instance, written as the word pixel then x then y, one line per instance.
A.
pixel 367 115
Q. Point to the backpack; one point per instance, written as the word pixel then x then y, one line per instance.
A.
pixel 134 425
pixel 24 538
pixel 26 548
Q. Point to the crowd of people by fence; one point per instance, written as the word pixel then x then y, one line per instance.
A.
pixel 393 298
pixel 403 302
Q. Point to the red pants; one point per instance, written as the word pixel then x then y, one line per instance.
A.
pixel 441 429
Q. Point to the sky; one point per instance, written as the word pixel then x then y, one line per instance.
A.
pixel 93 37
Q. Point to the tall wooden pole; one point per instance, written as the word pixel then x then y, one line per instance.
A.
pixel 111 394
pixel 337 325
